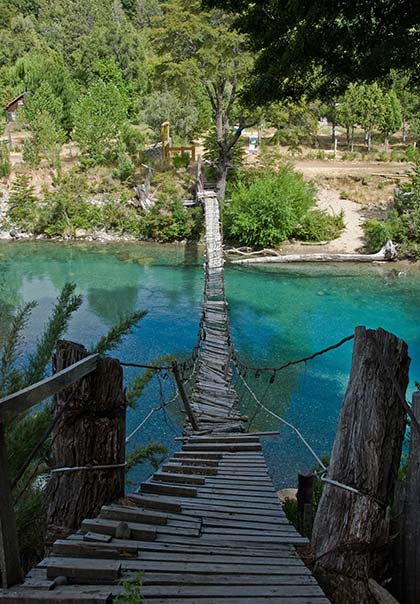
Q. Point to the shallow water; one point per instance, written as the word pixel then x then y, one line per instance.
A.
pixel 277 314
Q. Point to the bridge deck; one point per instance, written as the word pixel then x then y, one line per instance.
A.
pixel 214 400
pixel 207 527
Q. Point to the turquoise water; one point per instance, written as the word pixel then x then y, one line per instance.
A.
pixel 277 314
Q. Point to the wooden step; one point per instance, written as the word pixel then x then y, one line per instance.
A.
pixel 181 478
pixel 153 503
pixel 168 489
pixel 82 570
pixel 185 469
pixel 82 549
pixel 110 527
pixel 34 596
pixel 132 514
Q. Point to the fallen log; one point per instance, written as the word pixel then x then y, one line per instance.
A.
pixel 386 254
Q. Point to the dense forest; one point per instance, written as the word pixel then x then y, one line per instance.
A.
pixel 99 79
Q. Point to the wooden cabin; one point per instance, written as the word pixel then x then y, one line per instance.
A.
pixel 12 107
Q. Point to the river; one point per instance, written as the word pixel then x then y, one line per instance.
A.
pixel 277 314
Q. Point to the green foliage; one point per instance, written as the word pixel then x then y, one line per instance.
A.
pixel 402 224
pixel 98 120
pixel 317 225
pixel 296 123
pixel 138 384
pixel 67 304
pixel 131 590
pixel 23 203
pixel 318 50
pixel 169 221
pixel 18 370
pixel 266 209
pixel 4 160
pixel 113 338
pixel 153 453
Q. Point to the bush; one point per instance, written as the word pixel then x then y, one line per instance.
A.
pixel 319 226
pixel 23 209
pixel 270 208
pixel 402 224
pixel 169 221
pixel 4 160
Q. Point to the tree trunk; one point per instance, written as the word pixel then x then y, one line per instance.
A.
pixel 348 137
pixel 91 431
pixel 333 133
pixel 386 141
pixel 222 169
pixel 404 130
pixel 352 139
pixel 369 142
pixel 351 531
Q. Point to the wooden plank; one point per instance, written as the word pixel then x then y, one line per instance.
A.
pixel 83 570
pixel 110 527
pixel 97 537
pixel 207 580
pixel 81 549
pixel 197 547
pixel 132 514
pixel 181 478
pixel 20 401
pixel 11 573
pixel 276 599
pixel 161 503
pixel 232 591
pixel 221 571
pixel 33 596
pixel 168 489
pixel 227 559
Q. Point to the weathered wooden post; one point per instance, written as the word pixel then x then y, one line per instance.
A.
pixel 351 531
pixel 304 503
pixel 411 571
pixel 184 396
pixel 11 572
pixel 88 451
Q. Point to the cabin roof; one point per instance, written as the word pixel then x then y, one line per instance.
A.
pixel 16 100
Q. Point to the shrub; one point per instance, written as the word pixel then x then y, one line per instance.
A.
pixel 320 226
pixel 170 221
pixel 269 208
pixel 402 224
pixel 4 160
pixel 23 208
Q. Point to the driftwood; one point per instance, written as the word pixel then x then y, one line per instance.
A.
pixel 387 253
pixel 351 534
pixel 90 431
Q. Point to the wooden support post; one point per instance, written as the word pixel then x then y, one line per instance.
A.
pixel 351 535
pixel 90 432
pixel 184 396
pixel 411 516
pixel 304 502
pixel 11 572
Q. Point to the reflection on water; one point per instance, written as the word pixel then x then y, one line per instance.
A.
pixel 277 314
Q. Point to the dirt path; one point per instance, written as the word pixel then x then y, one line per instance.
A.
pixel 351 239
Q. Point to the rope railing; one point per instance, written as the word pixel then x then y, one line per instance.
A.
pixel 322 474
pixel 275 370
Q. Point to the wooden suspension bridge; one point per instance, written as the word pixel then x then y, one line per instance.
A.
pixel 206 528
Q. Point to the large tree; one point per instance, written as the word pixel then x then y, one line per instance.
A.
pixel 317 46
pixel 200 52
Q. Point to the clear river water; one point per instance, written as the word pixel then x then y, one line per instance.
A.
pixel 277 314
